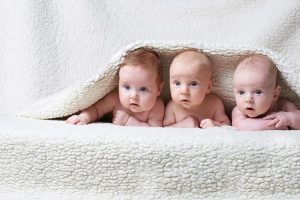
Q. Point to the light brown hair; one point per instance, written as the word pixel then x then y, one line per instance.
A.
pixel 146 57
pixel 259 58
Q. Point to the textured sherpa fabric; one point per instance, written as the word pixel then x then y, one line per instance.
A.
pixel 54 53
pixel 58 57
pixel 52 160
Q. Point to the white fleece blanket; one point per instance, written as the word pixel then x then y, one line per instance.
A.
pixel 53 160
pixel 58 57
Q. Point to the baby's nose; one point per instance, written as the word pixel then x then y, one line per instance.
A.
pixel 184 90
pixel 249 98
pixel 134 96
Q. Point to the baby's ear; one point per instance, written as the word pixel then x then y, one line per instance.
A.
pixel 209 87
pixel 276 93
pixel 160 87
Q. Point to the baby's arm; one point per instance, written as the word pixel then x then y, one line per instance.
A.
pixel 188 122
pixel 289 116
pixel 242 122
pixel 84 117
pixel 170 119
pixel 96 110
pixel 220 118
pixel 120 117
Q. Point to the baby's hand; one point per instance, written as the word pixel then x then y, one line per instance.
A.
pixel 77 120
pixel 121 117
pixel 190 122
pixel 278 120
pixel 206 123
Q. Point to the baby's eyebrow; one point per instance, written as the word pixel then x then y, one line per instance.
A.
pixel 237 88
pixel 174 76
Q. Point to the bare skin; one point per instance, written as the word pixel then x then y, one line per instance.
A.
pixel 192 105
pixel 257 96
pixel 136 103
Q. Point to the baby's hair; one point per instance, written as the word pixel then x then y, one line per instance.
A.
pixel 199 58
pixel 253 59
pixel 146 57
pixel 256 57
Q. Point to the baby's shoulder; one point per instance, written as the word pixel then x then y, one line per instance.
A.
pixel 159 102
pixel 170 104
pixel 285 105
pixel 213 99
pixel 112 98
pixel 282 100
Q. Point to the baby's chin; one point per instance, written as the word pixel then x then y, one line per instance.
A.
pixel 136 109
pixel 251 115
pixel 255 115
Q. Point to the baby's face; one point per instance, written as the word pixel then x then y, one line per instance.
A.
pixel 254 91
pixel 138 88
pixel 189 84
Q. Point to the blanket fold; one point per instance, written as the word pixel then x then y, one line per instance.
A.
pixel 59 57
pixel 224 60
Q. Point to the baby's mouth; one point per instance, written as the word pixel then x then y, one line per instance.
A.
pixel 249 109
pixel 185 100
pixel 134 104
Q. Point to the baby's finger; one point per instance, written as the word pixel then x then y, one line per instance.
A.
pixel 273 122
pixel 278 124
pixel 72 121
pixel 203 125
pixel 271 116
pixel 206 123
pixel 81 123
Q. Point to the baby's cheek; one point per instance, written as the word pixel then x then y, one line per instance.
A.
pixel 150 101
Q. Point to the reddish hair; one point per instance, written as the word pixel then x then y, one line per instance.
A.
pixel 145 57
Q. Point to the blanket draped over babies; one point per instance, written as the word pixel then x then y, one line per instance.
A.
pixel 58 58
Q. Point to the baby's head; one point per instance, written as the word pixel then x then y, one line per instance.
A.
pixel 255 85
pixel 140 80
pixel 190 78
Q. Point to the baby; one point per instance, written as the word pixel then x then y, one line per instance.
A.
pixel 256 93
pixel 192 105
pixel 137 101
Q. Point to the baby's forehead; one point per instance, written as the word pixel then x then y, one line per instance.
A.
pixel 258 62
pixel 255 73
pixel 147 71
pixel 195 66
pixel 253 80
pixel 195 70
pixel 143 67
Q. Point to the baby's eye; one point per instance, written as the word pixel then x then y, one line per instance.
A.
pixel 241 92
pixel 143 89
pixel 127 87
pixel 194 83
pixel 177 83
pixel 258 92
